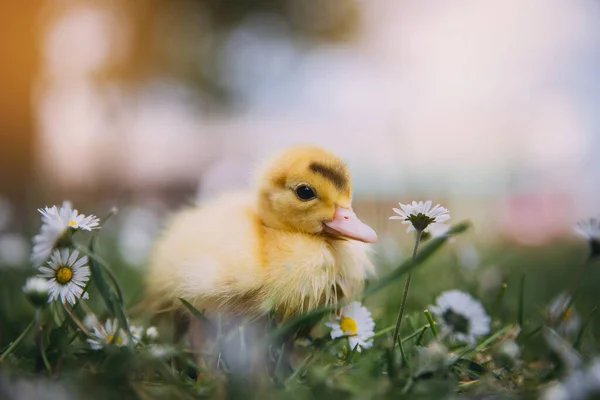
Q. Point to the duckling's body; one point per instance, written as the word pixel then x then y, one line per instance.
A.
pixel 248 252
pixel 221 257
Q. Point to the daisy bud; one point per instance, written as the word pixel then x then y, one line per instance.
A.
pixel 152 333
pixel 36 290
pixel 90 321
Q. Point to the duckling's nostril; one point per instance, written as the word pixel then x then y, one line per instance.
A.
pixel 346 217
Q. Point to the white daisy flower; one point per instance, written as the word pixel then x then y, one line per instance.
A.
pixel 564 315
pixel 355 322
pixel 136 332
pixel 461 316
pixel 589 228
pixel 36 290
pixel 152 333
pixel 67 275
pixel 55 224
pixel 107 334
pixel 421 217
pixel 111 333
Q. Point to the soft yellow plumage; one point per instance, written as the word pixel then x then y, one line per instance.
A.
pixel 273 247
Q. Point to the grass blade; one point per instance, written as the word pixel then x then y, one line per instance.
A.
pixel 587 322
pixel 431 323
pixel 486 342
pixel 198 314
pixel 104 265
pixel 498 302
pixel 14 345
pixel 351 355
pixel 521 302
pixel 421 336
pixel 100 282
pixel 123 322
pixel 403 353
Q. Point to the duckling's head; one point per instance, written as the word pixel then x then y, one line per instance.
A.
pixel 308 189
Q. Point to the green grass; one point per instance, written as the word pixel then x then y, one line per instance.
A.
pixel 54 352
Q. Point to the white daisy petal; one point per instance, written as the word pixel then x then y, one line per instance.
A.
pixel 420 216
pixel 562 314
pixel 67 276
pixel 110 333
pixel 356 323
pixel 55 224
pixel 462 317
pixel 589 228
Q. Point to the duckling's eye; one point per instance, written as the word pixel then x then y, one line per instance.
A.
pixel 305 192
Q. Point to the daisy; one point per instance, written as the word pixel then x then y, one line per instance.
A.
pixel 66 274
pixel 111 333
pixel 461 316
pixel 55 224
pixel 107 334
pixel 355 322
pixel 421 217
pixel 136 332
pixel 36 290
pixel 589 228
pixel 564 315
pixel 152 333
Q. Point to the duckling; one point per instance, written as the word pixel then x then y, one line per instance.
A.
pixel 289 245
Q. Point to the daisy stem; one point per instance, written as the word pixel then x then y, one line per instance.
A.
pixel 76 320
pixel 37 332
pixel 521 304
pixel 17 341
pixel 405 294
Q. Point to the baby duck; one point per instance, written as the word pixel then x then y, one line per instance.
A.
pixel 291 244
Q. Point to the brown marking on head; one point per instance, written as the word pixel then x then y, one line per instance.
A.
pixel 338 178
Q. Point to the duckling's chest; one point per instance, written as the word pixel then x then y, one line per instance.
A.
pixel 303 272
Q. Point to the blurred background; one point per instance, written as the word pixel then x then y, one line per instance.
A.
pixel 148 105
pixel 490 109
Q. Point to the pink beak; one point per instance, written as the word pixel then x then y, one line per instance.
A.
pixel 345 223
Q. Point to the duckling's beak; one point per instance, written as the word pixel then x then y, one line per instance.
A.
pixel 345 223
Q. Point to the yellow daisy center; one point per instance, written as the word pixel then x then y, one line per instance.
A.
pixel 64 275
pixel 72 223
pixel 568 314
pixel 348 326
pixel 118 341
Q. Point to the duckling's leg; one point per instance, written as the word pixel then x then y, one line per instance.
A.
pixel 199 337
